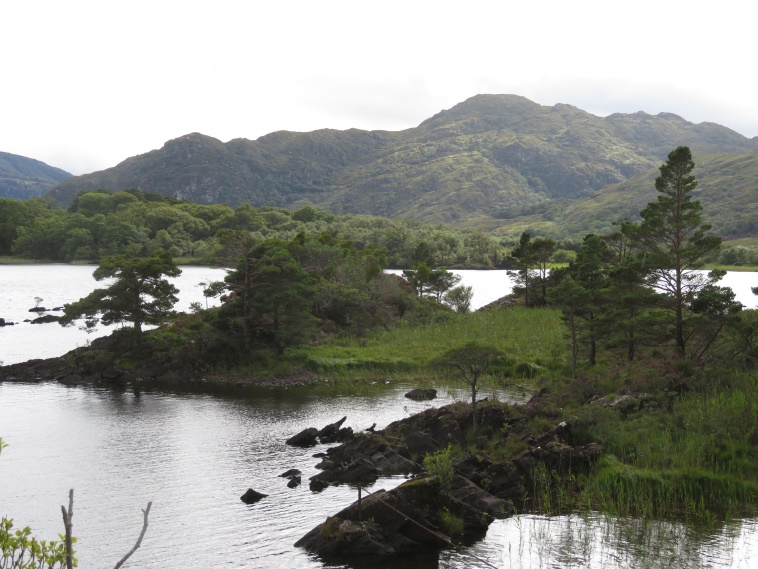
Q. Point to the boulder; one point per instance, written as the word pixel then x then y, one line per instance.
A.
pixel 290 473
pixel 46 319
pixel 422 394
pixel 329 433
pixel 251 496
pixel 294 482
pixel 305 438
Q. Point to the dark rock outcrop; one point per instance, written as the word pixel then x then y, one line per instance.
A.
pixel 251 496
pixel 361 460
pixel 294 482
pixel 396 520
pixel 290 473
pixel 422 394
pixel 46 319
pixel 305 438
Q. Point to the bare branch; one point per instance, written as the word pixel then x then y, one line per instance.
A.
pixel 68 524
pixel 145 512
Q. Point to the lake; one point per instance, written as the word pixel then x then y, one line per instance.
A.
pixel 194 455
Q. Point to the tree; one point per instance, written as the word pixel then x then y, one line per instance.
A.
pixel 140 294
pixel 468 363
pixel 459 298
pixel 273 295
pixel 524 258
pixel 431 282
pixel 672 237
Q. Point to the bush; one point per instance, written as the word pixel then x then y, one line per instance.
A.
pixel 440 464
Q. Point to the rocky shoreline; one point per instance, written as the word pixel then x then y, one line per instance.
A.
pixel 93 365
pixel 416 516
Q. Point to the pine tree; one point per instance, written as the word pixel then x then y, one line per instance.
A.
pixel 672 237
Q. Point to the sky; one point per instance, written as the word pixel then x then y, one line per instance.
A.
pixel 87 84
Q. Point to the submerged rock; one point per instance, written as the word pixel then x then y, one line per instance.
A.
pixel 422 394
pixel 251 496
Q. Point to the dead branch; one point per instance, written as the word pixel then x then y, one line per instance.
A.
pixel 145 512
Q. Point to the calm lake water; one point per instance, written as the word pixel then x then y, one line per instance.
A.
pixel 194 455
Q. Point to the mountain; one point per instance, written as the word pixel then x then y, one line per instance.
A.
pixel 22 178
pixel 727 189
pixel 487 155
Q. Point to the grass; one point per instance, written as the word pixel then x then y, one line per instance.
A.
pixel 531 339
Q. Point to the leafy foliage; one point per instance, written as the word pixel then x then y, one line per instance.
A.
pixel 139 294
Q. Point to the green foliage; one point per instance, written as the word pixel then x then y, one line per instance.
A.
pixel 20 550
pixel 459 298
pixel 139 294
pixel 440 464
pixel 451 524
pixel 673 237
pixel 431 282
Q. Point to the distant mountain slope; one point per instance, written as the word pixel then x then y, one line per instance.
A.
pixel 22 178
pixel 727 188
pixel 487 154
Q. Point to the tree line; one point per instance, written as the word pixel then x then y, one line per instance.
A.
pixel 136 223
pixel 641 285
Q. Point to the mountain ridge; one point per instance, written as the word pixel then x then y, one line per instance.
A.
pixel 23 178
pixel 483 155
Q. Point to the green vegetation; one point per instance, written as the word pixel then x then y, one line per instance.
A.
pixel 101 224
pixel 20 550
pixel 440 464
pixel 139 294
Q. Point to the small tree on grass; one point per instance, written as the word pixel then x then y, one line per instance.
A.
pixel 459 298
pixel 468 363
pixel 139 294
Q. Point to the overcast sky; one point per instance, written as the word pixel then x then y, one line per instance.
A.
pixel 86 84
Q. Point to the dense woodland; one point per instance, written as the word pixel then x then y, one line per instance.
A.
pixel 100 223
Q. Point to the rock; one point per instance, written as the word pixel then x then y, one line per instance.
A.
pixel 290 473
pixel 422 394
pixel 294 482
pixel 251 496
pixel 469 493
pixel 331 429
pixel 38 309
pixel 317 485
pixel 389 532
pixel 420 444
pixel 47 318
pixel 361 470
pixel 112 373
pixel 305 438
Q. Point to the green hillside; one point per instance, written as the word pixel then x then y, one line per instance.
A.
pixel 478 164
pixel 727 188
pixel 22 178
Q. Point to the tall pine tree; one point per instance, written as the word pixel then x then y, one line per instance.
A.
pixel 672 237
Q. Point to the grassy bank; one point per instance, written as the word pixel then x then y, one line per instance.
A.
pixel 532 340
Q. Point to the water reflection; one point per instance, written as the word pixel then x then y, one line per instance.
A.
pixel 594 541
